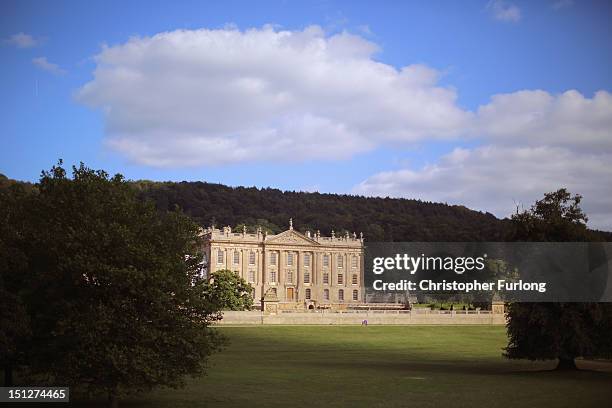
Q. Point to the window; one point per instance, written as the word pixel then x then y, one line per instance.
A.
pixel 254 293
pixel 251 276
pixel 325 294
pixel 236 257
pixel 306 260
pixel 251 258
pixel 306 277
pixel 272 258
pixel 340 279
pixel 273 291
pixel 290 258
pixel 289 276
pixel 355 295
pixel 354 261
pixel 308 294
pixel 326 278
pixel 355 279
pixel 272 276
pixel 340 261
pixel 325 261
pixel 219 256
pixel 341 295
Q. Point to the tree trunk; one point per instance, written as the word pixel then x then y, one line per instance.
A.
pixel 566 363
pixel 8 374
pixel 113 401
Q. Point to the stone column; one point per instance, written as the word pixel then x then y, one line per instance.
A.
pixel 282 260
pixel 316 266
pixel 228 261
pixel 297 274
pixel 345 270
pixel 333 267
pixel 361 266
pixel 212 261
pixel 261 261
pixel 320 268
pixel 282 265
pixel 244 263
pixel 313 272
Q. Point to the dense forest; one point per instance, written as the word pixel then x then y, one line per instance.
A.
pixel 380 219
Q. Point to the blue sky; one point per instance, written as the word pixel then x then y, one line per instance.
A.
pixel 476 49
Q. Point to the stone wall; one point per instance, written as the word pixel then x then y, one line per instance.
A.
pixel 386 317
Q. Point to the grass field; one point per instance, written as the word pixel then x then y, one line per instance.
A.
pixel 384 366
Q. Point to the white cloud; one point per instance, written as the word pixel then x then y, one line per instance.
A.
pixel 22 40
pixel 537 118
pixel 496 179
pixel 210 97
pixel 42 63
pixel 213 97
pixel 534 142
pixel 504 11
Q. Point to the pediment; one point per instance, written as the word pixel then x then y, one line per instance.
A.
pixel 291 237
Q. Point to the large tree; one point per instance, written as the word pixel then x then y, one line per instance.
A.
pixel 563 331
pixel 228 291
pixel 14 320
pixel 115 294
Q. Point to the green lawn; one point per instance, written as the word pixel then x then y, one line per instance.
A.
pixel 384 366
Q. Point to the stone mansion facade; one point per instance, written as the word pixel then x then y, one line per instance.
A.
pixel 291 270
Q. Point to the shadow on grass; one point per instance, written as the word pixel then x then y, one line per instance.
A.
pixel 587 369
pixel 359 361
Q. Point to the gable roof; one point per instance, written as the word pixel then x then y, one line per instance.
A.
pixel 291 236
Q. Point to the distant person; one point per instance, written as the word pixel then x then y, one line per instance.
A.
pixel 364 322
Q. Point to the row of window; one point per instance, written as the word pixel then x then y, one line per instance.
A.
pixel 290 259
pixel 326 294
pixel 354 280
pixel 308 294
pixel 273 277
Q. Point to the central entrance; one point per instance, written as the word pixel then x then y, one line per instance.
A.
pixel 289 293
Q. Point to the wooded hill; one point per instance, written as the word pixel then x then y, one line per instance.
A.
pixel 380 219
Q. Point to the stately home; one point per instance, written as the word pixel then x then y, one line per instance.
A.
pixel 291 270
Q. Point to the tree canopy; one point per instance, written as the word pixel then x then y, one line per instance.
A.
pixel 15 327
pixel 110 289
pixel 556 217
pixel 563 331
pixel 228 291
pixel 380 219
